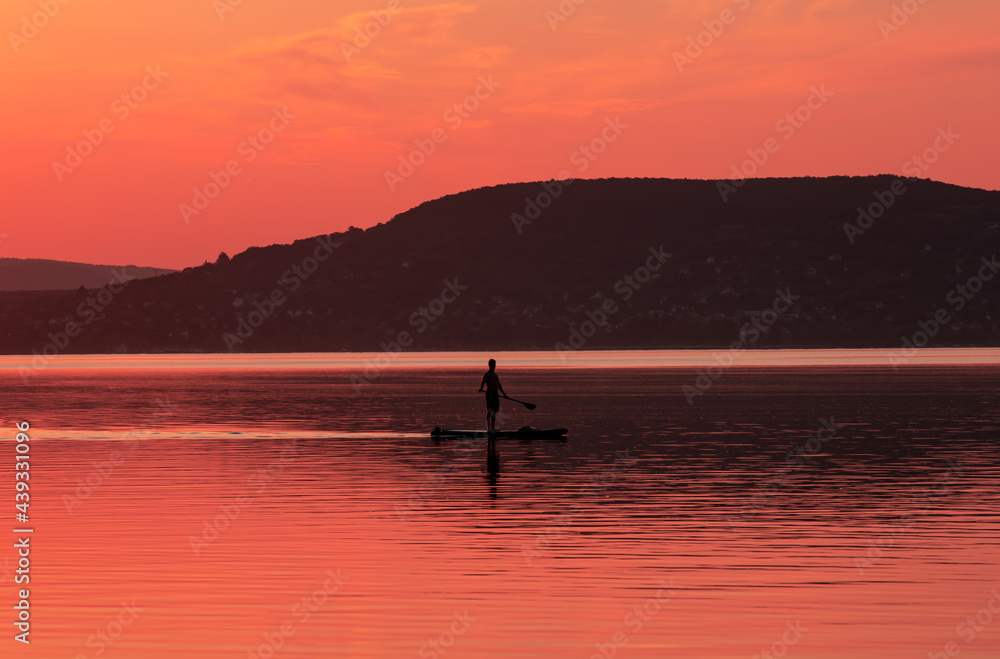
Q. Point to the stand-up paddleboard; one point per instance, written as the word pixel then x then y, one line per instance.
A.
pixel 523 433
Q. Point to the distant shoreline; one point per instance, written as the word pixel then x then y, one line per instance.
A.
pixel 656 359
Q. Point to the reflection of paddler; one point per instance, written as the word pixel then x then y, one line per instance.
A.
pixel 492 462
pixel 493 391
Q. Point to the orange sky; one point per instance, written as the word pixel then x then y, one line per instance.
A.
pixel 552 91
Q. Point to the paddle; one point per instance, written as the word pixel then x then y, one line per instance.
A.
pixel 530 406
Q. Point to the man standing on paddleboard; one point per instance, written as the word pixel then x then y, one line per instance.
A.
pixel 493 390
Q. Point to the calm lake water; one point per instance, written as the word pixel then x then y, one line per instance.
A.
pixel 295 506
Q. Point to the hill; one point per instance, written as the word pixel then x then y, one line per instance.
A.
pixel 48 275
pixel 617 263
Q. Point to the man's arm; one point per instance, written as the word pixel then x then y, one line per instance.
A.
pixel 500 387
pixel 483 383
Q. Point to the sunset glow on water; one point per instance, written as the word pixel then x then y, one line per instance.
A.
pixel 265 506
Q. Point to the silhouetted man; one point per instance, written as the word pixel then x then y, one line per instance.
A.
pixel 493 390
